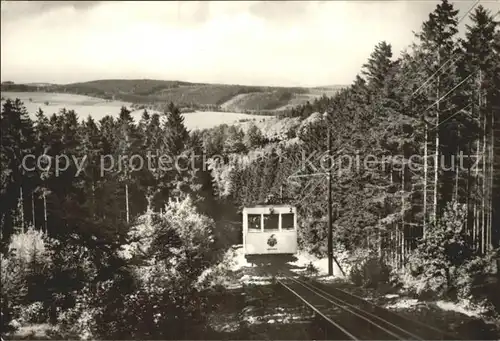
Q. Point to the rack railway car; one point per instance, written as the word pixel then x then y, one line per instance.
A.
pixel 269 230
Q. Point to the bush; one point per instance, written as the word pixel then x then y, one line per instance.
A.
pixel 80 320
pixel 477 278
pixel 33 313
pixel 444 265
pixel 370 273
pixel 26 261
pixel 90 294
pixel 311 269
pixel 171 251
pixel 13 291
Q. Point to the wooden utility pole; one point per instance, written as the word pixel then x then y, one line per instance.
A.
pixel 331 257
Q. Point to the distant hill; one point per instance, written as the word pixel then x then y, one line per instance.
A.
pixel 200 96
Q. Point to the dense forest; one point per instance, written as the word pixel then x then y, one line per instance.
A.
pixel 119 253
pixel 69 228
pixel 430 209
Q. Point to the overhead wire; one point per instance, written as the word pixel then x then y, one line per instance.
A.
pixel 448 60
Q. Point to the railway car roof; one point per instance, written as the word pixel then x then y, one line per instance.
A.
pixel 269 205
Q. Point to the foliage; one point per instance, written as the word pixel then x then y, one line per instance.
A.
pixel 444 264
pixel 26 261
pixel 12 292
pixel 436 226
pixel 370 273
pixel 390 113
pixel 171 251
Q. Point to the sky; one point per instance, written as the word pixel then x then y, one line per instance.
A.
pixel 284 43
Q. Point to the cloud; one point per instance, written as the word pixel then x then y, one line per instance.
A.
pixel 268 43
pixel 13 10
pixel 281 12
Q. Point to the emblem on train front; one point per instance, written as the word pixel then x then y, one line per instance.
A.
pixel 272 241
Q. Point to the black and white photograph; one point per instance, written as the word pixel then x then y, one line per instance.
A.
pixel 250 170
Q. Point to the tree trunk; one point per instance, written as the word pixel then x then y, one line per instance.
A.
pixel 45 211
pixel 402 246
pixel 21 207
pixel 93 200
pixel 425 181
pixel 483 190
pixel 476 209
pixel 126 202
pixel 468 216
pixel 492 170
pixel 436 155
pixel 33 209
pixel 379 244
pixel 456 176
pixel 391 247
pixel 477 213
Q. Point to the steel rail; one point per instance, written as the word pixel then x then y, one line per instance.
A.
pixel 326 318
pixel 413 336
pixel 422 325
pixel 343 305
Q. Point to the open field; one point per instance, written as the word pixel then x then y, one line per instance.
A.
pixel 234 98
pixel 98 108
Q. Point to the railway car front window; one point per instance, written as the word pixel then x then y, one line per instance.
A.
pixel 287 221
pixel 254 222
pixel 271 222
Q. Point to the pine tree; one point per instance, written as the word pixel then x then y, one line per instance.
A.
pixel 495 219
pixel 379 66
pixel 17 141
pixel 437 40
pixel 479 59
pixel 176 134
pixel 253 137
pixel 201 179
pixel 234 141
pixel 42 138
pixel 175 138
pixel 128 142
pixel 90 149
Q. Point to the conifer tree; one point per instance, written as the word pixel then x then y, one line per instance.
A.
pixel 379 66
pixel 437 40
pixel 175 138
pixel 480 60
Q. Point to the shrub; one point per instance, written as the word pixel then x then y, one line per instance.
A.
pixel 28 246
pixel 13 290
pixel 26 261
pixel 253 137
pixel 311 269
pixel 33 313
pixel 80 320
pixel 477 278
pixel 370 273
pixel 444 265
pixel 171 251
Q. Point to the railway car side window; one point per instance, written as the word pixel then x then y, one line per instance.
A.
pixel 254 222
pixel 287 221
pixel 271 222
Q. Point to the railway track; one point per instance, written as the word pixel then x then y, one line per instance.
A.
pixel 352 316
